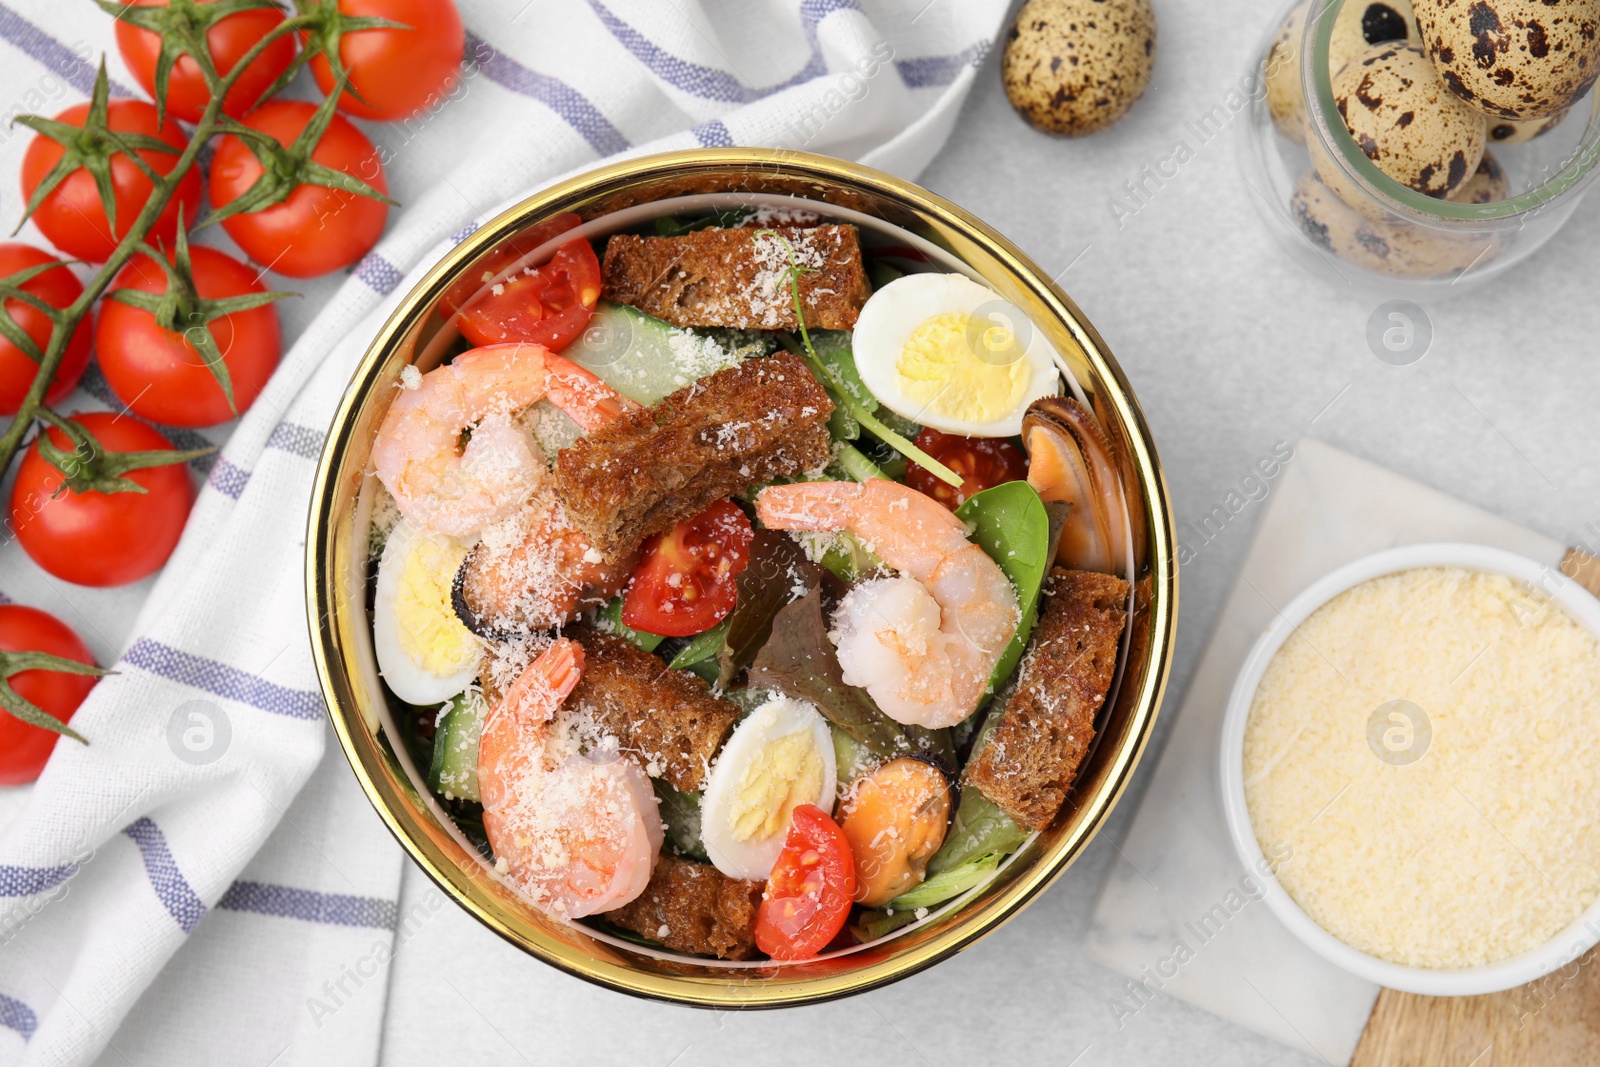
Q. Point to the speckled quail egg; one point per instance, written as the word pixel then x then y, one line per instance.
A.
pixel 1390 248
pixel 1358 25
pixel 1073 67
pixel 1488 184
pixel 1515 59
pixel 1400 115
pixel 1516 131
pixel 1281 71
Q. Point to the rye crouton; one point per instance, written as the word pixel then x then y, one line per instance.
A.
pixel 1048 718
pixel 740 277
pixel 693 907
pixel 764 420
pixel 667 720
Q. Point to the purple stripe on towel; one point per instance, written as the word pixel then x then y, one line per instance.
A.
pixel 571 106
pixel 287 902
pixel 298 440
pixel 931 71
pixel 227 478
pixel 69 63
pixel 713 134
pixel 223 680
pixel 381 275
pixel 30 881
pixel 172 888
pixel 15 1015
pixel 711 83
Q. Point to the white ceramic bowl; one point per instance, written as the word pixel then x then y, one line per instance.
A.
pixel 1560 950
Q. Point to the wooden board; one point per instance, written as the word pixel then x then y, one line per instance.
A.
pixel 1552 1022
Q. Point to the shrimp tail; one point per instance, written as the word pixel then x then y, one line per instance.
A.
pixel 548 681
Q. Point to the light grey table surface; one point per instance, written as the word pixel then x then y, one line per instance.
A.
pixel 1231 348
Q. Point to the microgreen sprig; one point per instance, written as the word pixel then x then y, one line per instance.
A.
pixel 841 393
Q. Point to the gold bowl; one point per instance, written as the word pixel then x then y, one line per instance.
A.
pixel 337 577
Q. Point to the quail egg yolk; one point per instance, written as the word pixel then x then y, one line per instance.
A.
pixel 963 366
pixel 431 635
pixel 787 772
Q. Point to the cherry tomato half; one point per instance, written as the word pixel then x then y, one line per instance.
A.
pixel 24 748
pixel 58 288
pixel 982 462
pixel 685 582
pixel 316 229
pixel 158 373
pixel 396 71
pixel 96 538
pixel 470 286
pixel 809 890
pixel 228 41
pixel 549 305
pixel 73 218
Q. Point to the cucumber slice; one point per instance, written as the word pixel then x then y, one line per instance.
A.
pixel 646 359
pixel 454 770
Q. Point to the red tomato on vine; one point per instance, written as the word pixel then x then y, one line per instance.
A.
pixel 58 288
pixel 24 748
pixel 228 40
pixel 316 228
pixel 158 373
pixel 72 214
pixel 94 537
pixel 393 71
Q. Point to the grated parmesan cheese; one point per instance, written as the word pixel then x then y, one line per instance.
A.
pixel 1484 844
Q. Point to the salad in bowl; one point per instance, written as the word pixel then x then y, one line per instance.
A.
pixel 747 581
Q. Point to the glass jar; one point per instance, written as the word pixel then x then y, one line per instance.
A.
pixel 1343 217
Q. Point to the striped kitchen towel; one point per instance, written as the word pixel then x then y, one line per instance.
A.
pixel 205 883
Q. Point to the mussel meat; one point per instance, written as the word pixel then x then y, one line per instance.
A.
pixel 1071 460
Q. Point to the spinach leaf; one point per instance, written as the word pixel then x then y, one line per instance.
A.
pixel 680 812
pixel 1013 527
pixel 701 647
pixel 610 619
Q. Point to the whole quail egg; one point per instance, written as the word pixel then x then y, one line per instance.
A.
pixel 1399 113
pixel 1515 59
pixel 1392 248
pixel 1073 67
pixel 1324 219
pixel 1358 25
pixel 1516 131
pixel 1488 184
pixel 1281 71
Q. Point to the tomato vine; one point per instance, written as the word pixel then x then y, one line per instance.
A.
pixel 93 140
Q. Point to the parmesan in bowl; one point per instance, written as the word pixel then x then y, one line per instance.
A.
pixel 1417 741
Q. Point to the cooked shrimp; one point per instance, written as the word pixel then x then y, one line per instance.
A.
pixel 535 570
pixel 923 643
pixel 456 490
pixel 577 834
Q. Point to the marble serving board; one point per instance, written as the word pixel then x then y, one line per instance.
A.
pixel 1180 915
